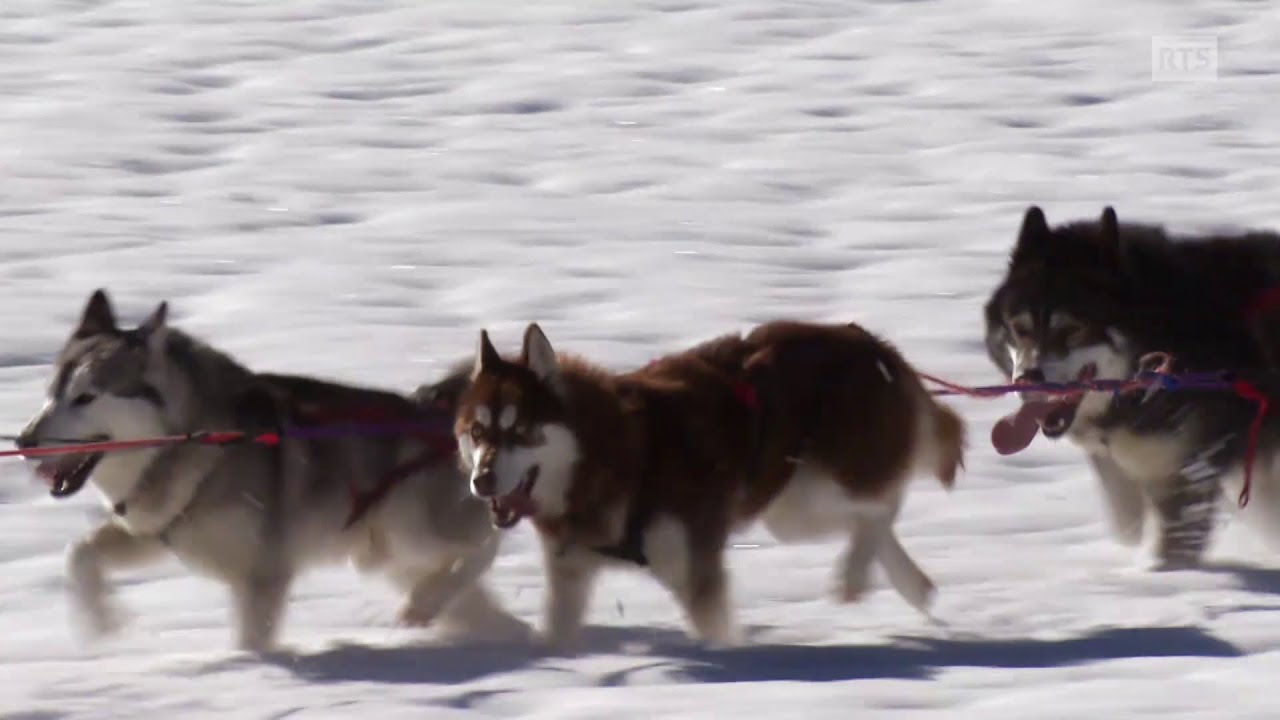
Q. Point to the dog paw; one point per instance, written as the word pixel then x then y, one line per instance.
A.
pixel 852 590
pixel 726 640
pixel 412 616
pixel 924 597
pixel 556 644
pixel 1173 563
pixel 99 621
pixel 255 644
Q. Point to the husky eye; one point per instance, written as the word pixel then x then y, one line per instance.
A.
pixel 82 399
pixel 1072 329
pixel 1020 330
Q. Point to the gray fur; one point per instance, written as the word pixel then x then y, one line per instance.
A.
pixel 251 515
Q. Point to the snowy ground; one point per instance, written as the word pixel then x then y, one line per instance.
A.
pixel 354 188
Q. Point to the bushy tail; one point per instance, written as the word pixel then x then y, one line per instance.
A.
pixel 949 443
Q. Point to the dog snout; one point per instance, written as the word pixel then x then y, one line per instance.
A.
pixel 1030 375
pixel 485 483
pixel 26 440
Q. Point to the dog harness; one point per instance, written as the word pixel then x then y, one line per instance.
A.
pixel 437 447
pixel 630 547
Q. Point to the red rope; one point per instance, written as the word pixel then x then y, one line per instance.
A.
pixel 1249 391
pixel 962 389
pixel 1265 301
pixel 207 438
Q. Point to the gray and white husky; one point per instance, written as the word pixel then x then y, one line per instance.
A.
pixel 250 515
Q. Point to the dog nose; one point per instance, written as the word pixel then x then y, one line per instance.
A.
pixel 485 484
pixel 1031 375
pixel 26 440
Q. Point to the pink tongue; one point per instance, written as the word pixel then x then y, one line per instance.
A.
pixel 1015 431
pixel 48 474
pixel 518 503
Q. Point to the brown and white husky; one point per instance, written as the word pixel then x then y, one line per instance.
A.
pixel 814 429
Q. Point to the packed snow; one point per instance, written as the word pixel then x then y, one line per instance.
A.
pixel 354 189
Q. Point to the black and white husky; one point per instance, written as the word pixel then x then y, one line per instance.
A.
pixel 1092 299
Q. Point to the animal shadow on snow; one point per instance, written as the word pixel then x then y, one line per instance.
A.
pixel 1260 580
pixel 1253 579
pixel 919 658
pixel 449 662
pixel 905 658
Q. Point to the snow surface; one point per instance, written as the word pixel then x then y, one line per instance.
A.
pixel 353 188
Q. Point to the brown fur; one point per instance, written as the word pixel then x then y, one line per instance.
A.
pixel 677 437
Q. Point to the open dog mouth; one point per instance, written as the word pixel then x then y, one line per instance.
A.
pixel 1051 415
pixel 507 510
pixel 1061 412
pixel 66 475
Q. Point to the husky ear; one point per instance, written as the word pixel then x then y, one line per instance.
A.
pixel 1035 232
pixel 1110 227
pixel 1113 248
pixel 98 316
pixel 486 356
pixel 153 329
pixel 538 355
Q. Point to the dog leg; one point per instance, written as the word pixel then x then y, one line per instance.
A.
pixel 1184 509
pixel 1125 501
pixel 478 614
pixel 432 593
pixel 855 575
pixel 906 577
pixel 569 583
pixel 708 603
pixel 259 607
pixel 109 547
pixel 874 535
pixel 695 577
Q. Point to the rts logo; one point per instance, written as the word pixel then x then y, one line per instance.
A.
pixel 1184 58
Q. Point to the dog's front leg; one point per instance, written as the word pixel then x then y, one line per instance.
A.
pixel 1123 496
pixel 1184 508
pixel 570 577
pixel 109 547
pixel 259 607
pixel 690 564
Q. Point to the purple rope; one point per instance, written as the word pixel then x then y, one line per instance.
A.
pixel 1191 381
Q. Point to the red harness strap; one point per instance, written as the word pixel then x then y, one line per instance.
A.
pixel 746 393
pixel 1265 301
pixel 1249 391
pixel 437 447
pixel 363 500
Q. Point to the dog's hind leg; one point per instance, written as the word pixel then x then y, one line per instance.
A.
pixel 874 537
pixel 1184 508
pixel 478 614
pixel 439 590
pixel 855 567
pixel 109 547
pixel 259 607
pixel 906 577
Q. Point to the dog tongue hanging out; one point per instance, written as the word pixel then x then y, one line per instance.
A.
pixel 1050 414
